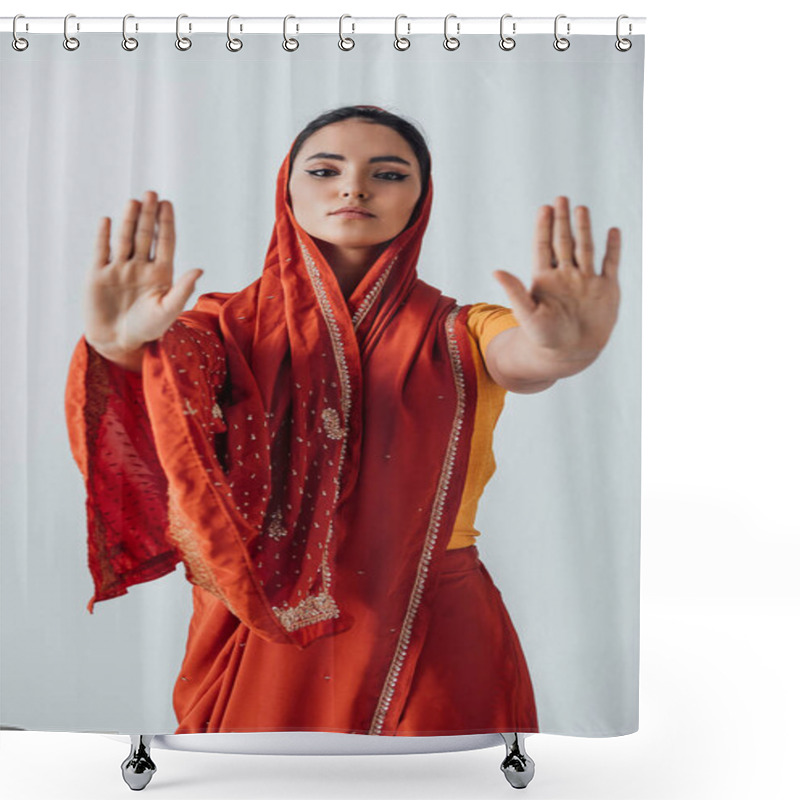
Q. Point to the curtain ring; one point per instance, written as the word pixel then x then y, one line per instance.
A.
pixel 507 42
pixel 182 42
pixel 128 42
pixel 234 45
pixel 451 42
pixel 18 43
pixel 70 42
pixel 342 39
pixel 401 43
pixel 561 43
pixel 623 45
pixel 290 44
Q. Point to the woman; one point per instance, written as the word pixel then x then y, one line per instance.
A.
pixel 313 447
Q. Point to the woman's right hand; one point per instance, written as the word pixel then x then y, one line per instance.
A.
pixel 130 297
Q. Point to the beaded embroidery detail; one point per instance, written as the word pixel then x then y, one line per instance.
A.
pixel 333 328
pixel 276 529
pixel 317 608
pixel 314 608
pixel 330 421
pixel 182 534
pixel 372 295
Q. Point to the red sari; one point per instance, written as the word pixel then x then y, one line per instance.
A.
pixel 304 456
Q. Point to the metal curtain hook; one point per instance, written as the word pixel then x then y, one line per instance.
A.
pixel 401 43
pixel 561 43
pixel 623 45
pixel 451 42
pixel 128 42
pixel 70 42
pixel 182 42
pixel 234 45
pixel 507 42
pixel 350 43
pixel 290 44
pixel 18 43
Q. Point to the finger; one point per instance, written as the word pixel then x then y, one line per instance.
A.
pixel 562 235
pixel 124 243
pixel 165 235
pixel 175 299
pixel 584 249
pixel 102 249
pixel 543 241
pixel 145 227
pixel 519 296
pixel 613 250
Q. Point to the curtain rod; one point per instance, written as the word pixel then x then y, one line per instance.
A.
pixel 458 26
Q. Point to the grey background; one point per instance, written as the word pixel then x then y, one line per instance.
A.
pixel 82 132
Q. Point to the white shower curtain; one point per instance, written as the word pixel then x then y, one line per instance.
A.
pixel 82 132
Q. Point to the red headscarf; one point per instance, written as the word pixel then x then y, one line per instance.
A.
pixel 301 440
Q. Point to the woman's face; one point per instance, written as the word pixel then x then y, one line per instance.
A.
pixel 354 163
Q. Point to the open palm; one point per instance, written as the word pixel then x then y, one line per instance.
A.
pixel 569 307
pixel 130 297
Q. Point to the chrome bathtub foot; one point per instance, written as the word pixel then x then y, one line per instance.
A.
pixel 138 768
pixel 517 766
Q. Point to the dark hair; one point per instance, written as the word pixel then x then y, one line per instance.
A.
pixel 378 116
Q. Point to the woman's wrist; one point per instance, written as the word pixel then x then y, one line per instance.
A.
pixel 531 362
pixel 127 359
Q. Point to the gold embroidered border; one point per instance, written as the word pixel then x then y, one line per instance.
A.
pixel 333 328
pixel 372 295
pixel 401 650
pixel 96 391
pixel 183 535
pixel 344 379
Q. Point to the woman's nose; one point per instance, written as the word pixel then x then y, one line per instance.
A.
pixel 353 187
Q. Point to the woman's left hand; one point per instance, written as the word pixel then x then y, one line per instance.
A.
pixel 569 311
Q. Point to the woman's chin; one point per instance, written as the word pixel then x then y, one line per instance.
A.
pixel 348 241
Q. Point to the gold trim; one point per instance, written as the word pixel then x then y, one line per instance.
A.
pixel 344 380
pixel 95 385
pixel 333 328
pixel 372 295
pixel 433 529
pixel 183 535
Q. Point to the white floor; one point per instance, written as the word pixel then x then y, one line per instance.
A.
pixel 719 700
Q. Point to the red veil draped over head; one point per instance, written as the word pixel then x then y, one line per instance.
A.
pixel 304 455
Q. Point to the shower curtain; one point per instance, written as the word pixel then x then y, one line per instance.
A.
pixel 528 586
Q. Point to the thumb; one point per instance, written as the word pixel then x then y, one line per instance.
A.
pixel 175 299
pixel 514 287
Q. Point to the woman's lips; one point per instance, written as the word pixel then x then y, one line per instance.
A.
pixel 353 215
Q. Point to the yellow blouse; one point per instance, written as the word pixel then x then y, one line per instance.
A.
pixel 484 322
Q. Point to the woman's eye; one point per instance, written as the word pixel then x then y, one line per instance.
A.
pixel 393 176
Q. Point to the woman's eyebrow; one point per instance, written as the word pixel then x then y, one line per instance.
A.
pixel 394 159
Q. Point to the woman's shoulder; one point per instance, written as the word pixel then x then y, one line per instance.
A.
pixel 486 320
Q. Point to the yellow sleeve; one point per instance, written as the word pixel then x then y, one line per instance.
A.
pixel 485 321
